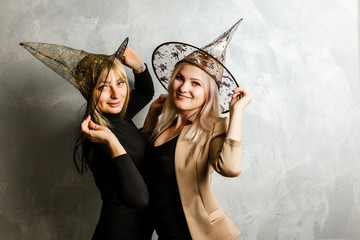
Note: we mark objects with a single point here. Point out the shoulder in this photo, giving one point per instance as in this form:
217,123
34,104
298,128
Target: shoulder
220,125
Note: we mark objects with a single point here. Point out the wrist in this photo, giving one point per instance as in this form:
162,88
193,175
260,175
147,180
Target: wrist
153,115
139,69
235,113
110,140
116,148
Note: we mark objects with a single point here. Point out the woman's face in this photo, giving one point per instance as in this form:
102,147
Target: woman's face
189,89
113,95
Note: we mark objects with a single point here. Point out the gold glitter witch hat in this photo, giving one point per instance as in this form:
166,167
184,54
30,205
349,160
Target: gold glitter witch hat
78,67
210,59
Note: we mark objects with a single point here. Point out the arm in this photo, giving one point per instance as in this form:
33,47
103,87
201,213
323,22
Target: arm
224,152
141,95
237,106
225,146
129,182
124,173
143,92
100,134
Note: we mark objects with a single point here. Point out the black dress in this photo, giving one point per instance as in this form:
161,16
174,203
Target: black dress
167,213
119,180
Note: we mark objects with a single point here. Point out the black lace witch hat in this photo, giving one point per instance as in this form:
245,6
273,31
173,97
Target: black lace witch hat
210,59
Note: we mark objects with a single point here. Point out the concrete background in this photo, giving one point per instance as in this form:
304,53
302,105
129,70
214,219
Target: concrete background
301,134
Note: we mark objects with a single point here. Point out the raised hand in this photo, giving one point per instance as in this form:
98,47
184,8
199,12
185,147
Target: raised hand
236,107
132,60
157,105
236,104
96,133
153,115
100,134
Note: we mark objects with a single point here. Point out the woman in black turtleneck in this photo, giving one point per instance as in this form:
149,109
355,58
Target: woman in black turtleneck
114,148
109,143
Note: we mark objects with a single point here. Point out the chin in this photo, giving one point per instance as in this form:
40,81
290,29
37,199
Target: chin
180,107
113,110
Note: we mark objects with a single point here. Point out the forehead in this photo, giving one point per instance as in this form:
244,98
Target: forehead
191,71
112,76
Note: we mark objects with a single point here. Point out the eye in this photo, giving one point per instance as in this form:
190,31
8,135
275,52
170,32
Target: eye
120,83
102,87
179,77
196,83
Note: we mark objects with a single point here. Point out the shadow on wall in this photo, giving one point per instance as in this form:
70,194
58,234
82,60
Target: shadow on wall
41,194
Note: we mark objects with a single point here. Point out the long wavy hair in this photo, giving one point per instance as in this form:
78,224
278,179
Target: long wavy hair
83,150
203,119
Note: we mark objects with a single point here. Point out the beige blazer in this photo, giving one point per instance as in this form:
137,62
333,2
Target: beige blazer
194,164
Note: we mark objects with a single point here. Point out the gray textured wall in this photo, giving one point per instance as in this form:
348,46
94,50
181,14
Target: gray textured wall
301,136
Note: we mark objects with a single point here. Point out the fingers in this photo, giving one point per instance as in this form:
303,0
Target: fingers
237,104
157,105
132,60
85,124
122,59
92,125
94,132
239,91
88,125
237,95
162,98
129,54
127,49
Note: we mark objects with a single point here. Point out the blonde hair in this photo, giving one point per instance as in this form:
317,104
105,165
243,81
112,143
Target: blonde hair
117,67
82,154
203,119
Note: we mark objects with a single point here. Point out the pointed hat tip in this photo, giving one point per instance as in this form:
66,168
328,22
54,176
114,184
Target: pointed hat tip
24,44
238,22
233,28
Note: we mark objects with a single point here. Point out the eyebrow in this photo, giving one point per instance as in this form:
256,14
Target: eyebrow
193,78
119,79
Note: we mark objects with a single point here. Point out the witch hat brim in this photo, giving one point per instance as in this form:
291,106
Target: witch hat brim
209,58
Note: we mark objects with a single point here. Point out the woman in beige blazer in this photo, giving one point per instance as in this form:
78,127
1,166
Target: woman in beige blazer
190,140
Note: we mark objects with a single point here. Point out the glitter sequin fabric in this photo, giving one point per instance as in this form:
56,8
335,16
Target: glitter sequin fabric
76,66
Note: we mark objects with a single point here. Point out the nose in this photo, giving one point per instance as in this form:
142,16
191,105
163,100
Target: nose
114,92
184,86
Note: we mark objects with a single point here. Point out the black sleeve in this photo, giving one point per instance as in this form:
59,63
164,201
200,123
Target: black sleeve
142,94
129,182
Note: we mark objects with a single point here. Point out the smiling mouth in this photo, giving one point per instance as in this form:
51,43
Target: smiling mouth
182,96
116,104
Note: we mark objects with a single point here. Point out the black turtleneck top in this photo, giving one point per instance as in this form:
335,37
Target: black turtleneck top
119,180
